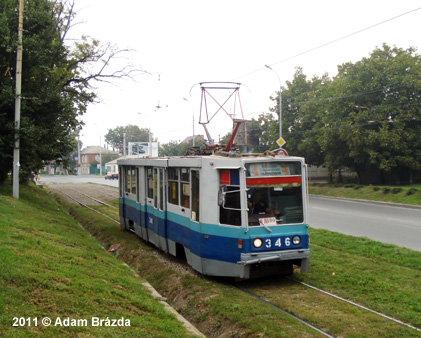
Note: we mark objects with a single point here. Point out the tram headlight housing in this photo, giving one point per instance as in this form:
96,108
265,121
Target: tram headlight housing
257,243
296,240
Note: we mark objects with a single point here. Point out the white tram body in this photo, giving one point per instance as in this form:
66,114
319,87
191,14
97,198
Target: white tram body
229,216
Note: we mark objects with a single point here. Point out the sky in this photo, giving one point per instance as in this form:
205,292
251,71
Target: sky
182,43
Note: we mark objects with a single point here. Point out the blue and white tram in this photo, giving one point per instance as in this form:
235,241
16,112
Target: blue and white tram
229,216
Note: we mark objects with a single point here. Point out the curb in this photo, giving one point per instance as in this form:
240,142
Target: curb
151,290
400,205
189,327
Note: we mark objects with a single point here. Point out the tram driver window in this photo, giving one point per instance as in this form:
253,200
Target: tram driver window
230,205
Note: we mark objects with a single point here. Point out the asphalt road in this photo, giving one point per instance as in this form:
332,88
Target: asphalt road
77,179
384,222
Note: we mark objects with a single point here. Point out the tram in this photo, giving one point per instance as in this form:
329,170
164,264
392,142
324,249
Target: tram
241,216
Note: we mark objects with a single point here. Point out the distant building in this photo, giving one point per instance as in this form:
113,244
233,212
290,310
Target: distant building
92,154
112,166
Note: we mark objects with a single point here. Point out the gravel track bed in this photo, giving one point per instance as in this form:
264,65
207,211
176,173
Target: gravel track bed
93,190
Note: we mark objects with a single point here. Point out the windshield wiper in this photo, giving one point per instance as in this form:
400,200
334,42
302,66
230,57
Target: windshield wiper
266,227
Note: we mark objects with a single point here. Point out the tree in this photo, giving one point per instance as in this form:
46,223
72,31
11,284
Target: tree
266,130
381,113
115,137
171,148
56,82
366,118
302,111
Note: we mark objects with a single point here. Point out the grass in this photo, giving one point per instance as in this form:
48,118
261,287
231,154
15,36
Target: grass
51,267
410,194
380,276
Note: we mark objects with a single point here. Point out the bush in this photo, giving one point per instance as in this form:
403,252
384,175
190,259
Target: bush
411,191
396,190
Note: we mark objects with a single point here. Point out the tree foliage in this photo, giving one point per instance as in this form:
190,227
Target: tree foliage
367,118
56,82
172,148
115,137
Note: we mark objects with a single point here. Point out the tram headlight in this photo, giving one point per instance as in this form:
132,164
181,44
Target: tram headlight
296,240
257,243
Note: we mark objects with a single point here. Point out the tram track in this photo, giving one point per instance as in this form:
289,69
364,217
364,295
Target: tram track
88,207
354,304
94,199
339,298
251,294
276,307
112,193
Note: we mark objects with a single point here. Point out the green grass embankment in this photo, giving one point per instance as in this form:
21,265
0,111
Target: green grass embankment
51,267
410,194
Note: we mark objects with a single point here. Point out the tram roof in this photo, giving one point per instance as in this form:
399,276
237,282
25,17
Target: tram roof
196,161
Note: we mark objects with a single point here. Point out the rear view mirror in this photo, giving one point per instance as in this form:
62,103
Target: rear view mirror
221,195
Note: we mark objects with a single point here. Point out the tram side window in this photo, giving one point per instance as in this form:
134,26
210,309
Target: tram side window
161,189
133,179
173,176
155,187
185,187
149,181
127,175
230,207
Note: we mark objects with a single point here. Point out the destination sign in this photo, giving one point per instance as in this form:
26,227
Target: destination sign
273,169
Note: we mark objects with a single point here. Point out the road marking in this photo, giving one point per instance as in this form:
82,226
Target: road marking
319,208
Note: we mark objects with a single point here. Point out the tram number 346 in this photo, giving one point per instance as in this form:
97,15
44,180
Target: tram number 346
278,243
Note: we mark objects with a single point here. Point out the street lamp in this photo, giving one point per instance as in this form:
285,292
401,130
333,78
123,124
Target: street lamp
280,101
193,119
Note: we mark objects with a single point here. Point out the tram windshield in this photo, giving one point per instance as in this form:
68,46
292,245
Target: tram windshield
274,193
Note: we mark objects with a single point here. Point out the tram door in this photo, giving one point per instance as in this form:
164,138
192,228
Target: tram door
128,191
195,238
156,207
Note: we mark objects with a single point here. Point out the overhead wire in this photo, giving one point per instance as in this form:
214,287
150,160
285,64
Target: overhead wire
330,42
321,46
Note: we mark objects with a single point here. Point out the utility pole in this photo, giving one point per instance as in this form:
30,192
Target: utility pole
279,102
78,155
100,156
193,118
124,145
16,150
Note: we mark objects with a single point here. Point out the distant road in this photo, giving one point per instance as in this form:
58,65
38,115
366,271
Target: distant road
77,179
383,222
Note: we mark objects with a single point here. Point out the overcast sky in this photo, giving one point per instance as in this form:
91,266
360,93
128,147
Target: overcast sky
181,43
